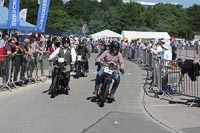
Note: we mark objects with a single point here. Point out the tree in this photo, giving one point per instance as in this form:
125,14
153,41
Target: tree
130,15
194,18
171,18
81,9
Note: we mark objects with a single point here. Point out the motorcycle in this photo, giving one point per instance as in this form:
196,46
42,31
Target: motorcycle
58,82
80,67
106,82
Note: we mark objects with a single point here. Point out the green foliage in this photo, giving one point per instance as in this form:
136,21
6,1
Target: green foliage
194,17
171,18
106,4
130,15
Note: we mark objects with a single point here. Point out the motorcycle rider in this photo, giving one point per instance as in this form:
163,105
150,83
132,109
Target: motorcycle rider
84,51
67,52
112,55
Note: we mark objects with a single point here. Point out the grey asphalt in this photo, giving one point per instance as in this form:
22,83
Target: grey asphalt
30,110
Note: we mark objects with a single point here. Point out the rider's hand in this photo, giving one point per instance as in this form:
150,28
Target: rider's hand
121,70
97,63
72,62
49,59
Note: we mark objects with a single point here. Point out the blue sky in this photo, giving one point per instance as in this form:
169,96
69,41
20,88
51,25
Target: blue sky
185,3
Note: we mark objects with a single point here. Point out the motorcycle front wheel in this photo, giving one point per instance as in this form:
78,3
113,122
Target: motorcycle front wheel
78,69
54,87
103,94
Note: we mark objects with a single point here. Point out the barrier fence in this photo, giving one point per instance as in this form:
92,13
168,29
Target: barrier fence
168,77
22,68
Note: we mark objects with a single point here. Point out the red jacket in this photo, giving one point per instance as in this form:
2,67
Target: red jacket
3,52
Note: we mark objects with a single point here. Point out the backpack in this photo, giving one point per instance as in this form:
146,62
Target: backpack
20,49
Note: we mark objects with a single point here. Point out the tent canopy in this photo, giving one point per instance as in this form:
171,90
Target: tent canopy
24,26
105,33
144,35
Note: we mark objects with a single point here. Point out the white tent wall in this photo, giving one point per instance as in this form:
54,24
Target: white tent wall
105,34
129,35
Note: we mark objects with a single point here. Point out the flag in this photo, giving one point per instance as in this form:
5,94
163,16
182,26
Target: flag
42,15
84,30
13,14
23,14
2,3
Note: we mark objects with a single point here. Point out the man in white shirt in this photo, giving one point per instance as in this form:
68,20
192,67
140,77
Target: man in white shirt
158,49
69,54
167,52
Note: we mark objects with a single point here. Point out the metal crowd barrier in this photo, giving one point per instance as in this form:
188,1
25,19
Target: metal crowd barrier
21,68
166,77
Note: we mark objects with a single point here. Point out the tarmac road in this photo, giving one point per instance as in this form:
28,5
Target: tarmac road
30,110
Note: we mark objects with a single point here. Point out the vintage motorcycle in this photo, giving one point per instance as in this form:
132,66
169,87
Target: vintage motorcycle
80,67
106,82
58,82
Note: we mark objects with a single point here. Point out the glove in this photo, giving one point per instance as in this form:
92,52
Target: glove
97,63
121,70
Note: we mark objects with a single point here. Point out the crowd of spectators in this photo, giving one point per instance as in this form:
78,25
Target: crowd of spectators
22,56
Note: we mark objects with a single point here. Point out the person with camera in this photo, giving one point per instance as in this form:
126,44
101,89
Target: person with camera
69,54
110,56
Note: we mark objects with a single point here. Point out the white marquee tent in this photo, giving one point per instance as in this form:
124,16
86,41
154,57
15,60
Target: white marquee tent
144,35
105,33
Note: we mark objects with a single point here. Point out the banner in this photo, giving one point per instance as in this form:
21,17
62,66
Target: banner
23,14
42,15
84,30
2,3
13,14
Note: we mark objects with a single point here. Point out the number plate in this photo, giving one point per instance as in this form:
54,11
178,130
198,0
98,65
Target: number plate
79,57
107,70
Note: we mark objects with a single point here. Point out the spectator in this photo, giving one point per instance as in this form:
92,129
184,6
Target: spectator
25,60
4,39
7,53
167,52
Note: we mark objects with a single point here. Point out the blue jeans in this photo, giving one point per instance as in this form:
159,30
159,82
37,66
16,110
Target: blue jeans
116,77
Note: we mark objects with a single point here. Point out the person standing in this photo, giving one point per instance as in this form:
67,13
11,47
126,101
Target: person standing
4,39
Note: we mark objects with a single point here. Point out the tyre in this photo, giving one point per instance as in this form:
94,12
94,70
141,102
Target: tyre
103,94
78,70
54,87
83,70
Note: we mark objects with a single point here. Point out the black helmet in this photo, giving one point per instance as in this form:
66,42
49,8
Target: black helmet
114,44
65,40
